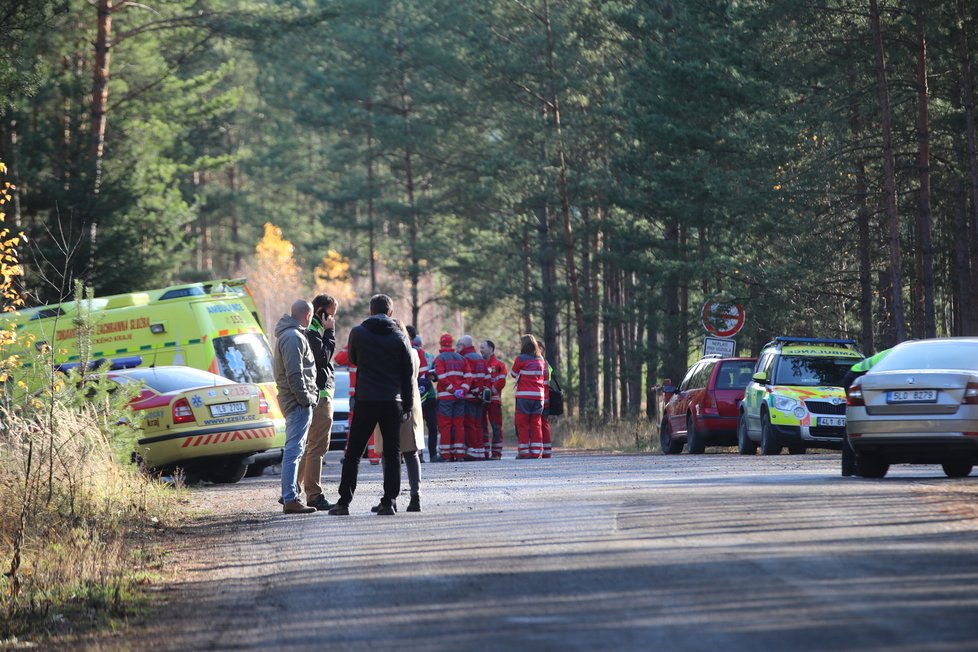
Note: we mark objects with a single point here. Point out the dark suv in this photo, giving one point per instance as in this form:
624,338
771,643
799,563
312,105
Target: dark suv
705,407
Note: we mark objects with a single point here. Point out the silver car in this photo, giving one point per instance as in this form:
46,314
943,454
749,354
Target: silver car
341,410
918,405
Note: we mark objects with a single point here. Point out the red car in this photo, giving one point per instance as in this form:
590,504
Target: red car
704,408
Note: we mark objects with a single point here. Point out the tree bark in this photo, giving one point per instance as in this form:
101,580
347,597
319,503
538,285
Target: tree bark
968,103
889,180
414,267
862,222
554,101
924,217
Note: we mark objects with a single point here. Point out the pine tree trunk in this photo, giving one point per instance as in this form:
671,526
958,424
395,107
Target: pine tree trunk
527,282
607,365
371,227
889,181
674,328
924,217
862,221
968,103
414,267
554,101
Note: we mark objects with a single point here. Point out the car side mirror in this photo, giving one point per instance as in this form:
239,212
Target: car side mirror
667,387
760,377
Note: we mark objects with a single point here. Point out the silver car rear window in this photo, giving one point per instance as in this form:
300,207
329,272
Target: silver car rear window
941,354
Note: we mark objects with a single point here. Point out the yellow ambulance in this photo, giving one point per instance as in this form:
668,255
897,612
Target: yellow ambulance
211,326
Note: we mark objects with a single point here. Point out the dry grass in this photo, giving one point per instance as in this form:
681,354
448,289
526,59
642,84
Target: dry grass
626,436
69,510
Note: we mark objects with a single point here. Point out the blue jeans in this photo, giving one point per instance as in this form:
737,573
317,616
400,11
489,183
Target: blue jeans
296,427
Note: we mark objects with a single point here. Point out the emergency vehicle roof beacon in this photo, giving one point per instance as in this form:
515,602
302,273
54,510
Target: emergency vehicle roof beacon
210,326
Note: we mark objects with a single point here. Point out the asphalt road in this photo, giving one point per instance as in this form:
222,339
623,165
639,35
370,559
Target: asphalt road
588,552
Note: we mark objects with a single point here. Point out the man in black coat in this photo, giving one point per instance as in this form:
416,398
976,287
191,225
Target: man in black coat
322,341
385,380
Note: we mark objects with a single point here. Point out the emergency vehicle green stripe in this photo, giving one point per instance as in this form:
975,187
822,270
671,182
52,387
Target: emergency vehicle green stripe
122,350
169,343
145,347
194,341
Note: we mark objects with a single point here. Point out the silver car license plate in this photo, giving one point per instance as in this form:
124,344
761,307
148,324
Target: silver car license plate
912,396
228,409
829,422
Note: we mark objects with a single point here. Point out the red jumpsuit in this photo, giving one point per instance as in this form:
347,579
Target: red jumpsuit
342,359
493,418
475,382
450,371
548,450
532,375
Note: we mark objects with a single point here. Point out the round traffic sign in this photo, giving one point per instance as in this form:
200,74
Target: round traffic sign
722,317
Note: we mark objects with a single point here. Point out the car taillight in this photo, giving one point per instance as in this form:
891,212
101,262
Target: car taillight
182,412
262,403
854,396
971,394
710,405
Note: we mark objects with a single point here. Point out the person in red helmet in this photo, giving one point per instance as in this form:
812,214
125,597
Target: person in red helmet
493,418
449,378
531,374
475,383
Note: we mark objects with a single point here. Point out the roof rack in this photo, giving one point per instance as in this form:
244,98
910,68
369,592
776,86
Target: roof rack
813,340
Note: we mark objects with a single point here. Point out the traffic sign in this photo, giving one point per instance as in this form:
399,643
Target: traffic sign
722,347
722,317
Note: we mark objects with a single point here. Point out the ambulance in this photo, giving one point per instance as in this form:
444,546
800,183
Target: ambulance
212,326
796,396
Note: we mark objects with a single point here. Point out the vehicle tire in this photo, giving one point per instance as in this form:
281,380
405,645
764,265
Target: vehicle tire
745,445
957,469
668,445
769,441
871,466
227,472
255,470
694,438
797,449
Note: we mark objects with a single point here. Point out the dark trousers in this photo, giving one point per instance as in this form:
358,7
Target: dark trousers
368,415
429,409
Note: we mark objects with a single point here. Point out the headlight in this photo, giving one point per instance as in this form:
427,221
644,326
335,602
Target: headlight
784,403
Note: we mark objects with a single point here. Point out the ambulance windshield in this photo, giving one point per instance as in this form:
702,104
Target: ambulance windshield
244,358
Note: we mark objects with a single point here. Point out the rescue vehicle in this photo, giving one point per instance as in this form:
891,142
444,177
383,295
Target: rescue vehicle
795,397
210,326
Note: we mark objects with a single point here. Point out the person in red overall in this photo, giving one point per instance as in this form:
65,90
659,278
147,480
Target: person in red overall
449,377
530,371
493,415
548,449
342,358
475,382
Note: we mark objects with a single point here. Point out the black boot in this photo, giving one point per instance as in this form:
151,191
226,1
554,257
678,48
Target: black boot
386,508
415,504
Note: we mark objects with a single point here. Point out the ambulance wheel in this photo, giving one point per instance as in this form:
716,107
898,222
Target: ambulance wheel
745,445
769,441
668,445
255,470
694,439
227,472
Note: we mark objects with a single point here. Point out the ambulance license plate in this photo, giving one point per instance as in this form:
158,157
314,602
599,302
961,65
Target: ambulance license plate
837,422
229,409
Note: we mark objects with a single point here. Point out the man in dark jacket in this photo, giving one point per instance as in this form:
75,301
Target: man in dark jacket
385,379
322,341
